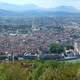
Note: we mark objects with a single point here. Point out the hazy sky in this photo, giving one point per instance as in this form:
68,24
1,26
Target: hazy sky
45,3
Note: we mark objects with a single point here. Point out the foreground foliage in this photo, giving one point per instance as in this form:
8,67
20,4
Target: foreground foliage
39,70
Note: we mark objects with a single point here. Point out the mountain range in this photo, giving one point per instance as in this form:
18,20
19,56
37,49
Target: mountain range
31,9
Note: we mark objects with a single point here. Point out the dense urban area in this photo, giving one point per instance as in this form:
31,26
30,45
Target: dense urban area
39,40
25,36
40,48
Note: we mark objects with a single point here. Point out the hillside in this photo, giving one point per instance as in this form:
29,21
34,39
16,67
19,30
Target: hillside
34,10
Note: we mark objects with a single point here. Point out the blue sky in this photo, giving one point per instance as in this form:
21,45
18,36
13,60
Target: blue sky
45,3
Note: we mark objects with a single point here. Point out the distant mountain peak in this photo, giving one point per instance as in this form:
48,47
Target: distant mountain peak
13,7
66,9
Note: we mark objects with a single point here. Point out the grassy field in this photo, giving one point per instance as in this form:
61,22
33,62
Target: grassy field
39,70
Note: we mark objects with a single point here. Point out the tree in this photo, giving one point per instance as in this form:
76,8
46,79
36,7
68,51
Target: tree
56,48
